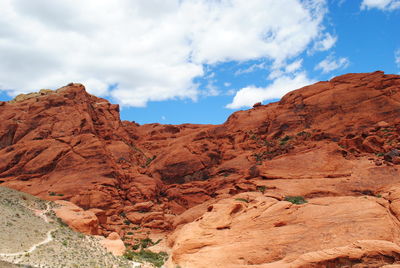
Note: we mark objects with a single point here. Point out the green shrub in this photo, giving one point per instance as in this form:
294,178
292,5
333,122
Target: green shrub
157,259
61,223
303,133
144,243
284,140
242,200
268,143
147,242
298,200
258,157
149,160
55,194
261,188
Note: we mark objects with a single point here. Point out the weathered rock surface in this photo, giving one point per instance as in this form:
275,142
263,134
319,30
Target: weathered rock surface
265,232
335,143
114,244
77,218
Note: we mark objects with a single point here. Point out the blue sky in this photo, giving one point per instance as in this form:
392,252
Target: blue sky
193,61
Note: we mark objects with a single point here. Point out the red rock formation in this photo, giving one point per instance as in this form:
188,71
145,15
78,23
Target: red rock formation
114,244
251,229
330,142
77,218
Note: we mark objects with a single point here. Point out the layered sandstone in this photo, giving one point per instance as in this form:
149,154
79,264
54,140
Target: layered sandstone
335,143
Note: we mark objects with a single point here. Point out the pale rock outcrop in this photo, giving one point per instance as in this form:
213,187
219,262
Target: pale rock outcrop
251,230
114,244
77,218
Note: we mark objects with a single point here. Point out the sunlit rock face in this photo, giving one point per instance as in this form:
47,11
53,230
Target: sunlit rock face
220,190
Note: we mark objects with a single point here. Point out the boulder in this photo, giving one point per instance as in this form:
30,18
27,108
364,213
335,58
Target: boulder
77,218
114,244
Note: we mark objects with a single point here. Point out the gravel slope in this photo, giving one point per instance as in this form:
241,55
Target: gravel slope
30,234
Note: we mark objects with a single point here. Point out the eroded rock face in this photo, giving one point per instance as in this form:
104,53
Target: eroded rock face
77,218
334,143
252,230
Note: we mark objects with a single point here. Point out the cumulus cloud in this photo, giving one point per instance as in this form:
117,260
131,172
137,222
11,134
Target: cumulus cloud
283,79
250,95
380,4
149,50
325,43
294,66
330,64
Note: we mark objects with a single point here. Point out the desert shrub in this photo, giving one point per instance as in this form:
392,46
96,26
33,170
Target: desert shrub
284,140
157,259
303,133
147,242
242,200
258,157
55,194
61,222
298,200
261,188
149,160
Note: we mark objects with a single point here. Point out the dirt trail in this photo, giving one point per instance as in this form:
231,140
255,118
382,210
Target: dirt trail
49,238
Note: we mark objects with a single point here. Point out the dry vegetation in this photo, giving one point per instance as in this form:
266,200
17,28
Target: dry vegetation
21,228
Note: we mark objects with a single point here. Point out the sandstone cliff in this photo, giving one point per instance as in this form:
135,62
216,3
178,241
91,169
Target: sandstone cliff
220,190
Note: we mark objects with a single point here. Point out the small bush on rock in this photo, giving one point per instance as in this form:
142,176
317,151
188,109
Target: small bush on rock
298,200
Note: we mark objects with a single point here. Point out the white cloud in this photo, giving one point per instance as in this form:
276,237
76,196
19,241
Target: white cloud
248,96
251,68
294,66
151,49
325,43
397,57
330,64
380,4
230,92
211,89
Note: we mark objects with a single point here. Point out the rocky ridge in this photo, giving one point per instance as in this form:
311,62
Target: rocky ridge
224,191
